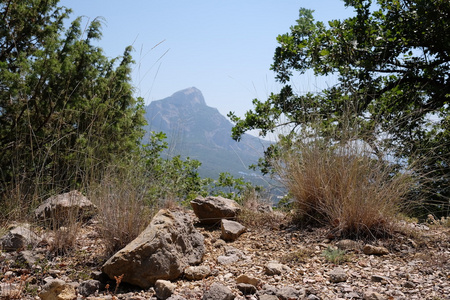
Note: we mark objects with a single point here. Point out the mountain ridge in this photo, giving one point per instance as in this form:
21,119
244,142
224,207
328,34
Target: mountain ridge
200,132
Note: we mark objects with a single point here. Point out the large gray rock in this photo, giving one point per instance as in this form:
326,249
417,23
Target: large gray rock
162,251
211,210
18,238
61,209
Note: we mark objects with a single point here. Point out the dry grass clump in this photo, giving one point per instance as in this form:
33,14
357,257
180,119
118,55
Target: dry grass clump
124,209
443,221
343,186
299,256
257,213
62,240
255,219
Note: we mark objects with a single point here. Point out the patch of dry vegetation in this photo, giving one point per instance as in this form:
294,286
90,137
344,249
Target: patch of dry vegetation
297,257
124,208
257,213
343,185
255,219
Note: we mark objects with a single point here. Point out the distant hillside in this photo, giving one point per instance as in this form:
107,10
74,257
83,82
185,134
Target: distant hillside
200,132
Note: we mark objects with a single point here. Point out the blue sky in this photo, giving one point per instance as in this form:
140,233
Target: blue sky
222,47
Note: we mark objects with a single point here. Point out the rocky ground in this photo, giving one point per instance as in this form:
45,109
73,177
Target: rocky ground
265,262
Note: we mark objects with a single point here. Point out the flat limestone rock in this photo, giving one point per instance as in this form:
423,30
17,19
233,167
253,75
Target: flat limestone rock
58,210
211,210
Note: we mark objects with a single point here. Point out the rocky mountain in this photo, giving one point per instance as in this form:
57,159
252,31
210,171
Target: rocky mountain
200,132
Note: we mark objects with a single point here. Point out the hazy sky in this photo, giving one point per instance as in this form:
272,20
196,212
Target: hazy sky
222,47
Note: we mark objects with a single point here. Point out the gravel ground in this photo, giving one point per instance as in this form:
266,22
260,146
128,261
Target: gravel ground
417,266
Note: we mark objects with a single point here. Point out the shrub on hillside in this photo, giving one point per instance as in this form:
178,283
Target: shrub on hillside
342,185
124,207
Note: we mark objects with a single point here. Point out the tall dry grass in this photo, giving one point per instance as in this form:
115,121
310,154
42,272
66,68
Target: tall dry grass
124,207
343,185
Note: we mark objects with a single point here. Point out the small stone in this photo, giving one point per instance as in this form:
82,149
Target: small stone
89,287
352,295
275,268
409,285
164,289
227,259
231,230
58,209
175,297
219,243
228,276
197,272
371,295
57,289
100,276
246,288
268,297
287,293
379,278
265,208
374,250
30,258
162,251
248,279
338,275
267,290
9,290
218,292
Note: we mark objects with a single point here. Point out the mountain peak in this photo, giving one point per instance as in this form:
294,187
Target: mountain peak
192,96
200,132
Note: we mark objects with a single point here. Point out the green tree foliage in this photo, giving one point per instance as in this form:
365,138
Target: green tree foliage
178,180
174,179
66,110
234,188
392,62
